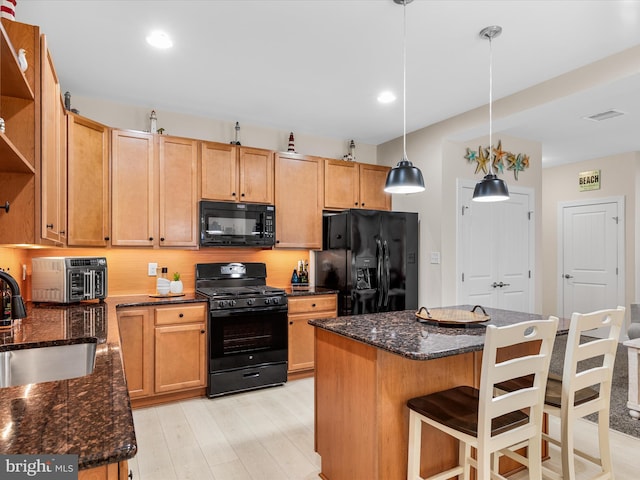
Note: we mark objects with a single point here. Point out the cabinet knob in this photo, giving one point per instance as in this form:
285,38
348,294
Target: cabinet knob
162,239
233,194
151,239
242,194
313,305
202,331
106,239
62,232
6,206
290,323
49,225
277,241
181,315
362,204
356,204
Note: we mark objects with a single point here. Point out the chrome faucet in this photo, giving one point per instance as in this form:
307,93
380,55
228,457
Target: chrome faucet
18,310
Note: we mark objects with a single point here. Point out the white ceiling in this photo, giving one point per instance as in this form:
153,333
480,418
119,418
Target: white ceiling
316,66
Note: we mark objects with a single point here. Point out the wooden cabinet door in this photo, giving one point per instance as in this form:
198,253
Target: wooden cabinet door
133,219
180,357
218,165
256,175
87,182
372,181
341,184
51,165
111,471
178,162
301,335
299,201
136,340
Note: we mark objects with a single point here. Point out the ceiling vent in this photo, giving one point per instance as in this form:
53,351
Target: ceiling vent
598,117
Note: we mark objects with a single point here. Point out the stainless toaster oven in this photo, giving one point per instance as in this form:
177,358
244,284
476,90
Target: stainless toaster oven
68,279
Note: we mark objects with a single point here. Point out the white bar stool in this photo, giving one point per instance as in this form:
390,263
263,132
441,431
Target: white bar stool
484,418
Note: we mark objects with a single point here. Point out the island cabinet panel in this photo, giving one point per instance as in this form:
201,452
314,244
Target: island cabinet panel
301,334
87,183
299,201
355,185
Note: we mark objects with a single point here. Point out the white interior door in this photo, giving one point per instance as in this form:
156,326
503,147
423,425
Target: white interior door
495,254
591,255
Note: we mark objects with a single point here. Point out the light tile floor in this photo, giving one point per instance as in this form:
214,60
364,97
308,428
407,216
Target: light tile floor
268,435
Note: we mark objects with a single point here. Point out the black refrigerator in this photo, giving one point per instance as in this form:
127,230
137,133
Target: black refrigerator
371,258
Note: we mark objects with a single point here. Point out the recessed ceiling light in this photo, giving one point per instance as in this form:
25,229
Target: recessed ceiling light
386,97
159,39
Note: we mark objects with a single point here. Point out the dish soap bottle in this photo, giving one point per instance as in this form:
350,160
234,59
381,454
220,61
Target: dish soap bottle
294,277
163,284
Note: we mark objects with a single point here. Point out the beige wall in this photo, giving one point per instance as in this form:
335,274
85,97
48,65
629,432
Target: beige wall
133,117
619,177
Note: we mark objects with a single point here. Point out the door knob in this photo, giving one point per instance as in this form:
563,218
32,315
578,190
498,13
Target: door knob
566,275
494,285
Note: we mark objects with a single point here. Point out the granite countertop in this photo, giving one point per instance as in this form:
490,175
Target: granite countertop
401,333
88,416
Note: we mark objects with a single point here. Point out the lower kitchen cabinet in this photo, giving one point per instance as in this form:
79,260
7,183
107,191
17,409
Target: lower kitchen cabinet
164,351
111,471
301,334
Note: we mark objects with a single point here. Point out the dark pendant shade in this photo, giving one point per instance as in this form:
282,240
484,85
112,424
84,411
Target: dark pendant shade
404,178
490,189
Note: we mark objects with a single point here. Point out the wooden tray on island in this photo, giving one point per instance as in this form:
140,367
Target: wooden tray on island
452,316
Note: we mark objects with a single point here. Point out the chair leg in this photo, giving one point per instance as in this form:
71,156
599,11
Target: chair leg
484,464
464,453
603,440
534,456
567,449
415,440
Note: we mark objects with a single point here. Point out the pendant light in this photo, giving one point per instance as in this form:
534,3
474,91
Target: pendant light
491,188
404,177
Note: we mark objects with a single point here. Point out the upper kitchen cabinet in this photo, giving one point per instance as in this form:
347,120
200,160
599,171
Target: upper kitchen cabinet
178,180
20,140
87,182
236,174
299,200
154,190
53,162
355,185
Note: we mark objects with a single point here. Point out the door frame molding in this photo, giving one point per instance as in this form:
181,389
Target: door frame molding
619,201
531,193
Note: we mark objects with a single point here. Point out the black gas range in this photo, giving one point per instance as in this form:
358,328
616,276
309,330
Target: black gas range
247,327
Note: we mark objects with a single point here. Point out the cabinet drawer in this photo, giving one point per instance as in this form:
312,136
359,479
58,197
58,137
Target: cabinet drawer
313,303
180,314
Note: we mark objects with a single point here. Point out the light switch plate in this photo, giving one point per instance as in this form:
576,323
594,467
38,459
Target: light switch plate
153,269
435,257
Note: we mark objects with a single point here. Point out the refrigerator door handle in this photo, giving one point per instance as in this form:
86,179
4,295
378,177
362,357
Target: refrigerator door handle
379,275
387,272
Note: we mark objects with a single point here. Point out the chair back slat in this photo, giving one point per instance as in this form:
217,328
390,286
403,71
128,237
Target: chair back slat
540,333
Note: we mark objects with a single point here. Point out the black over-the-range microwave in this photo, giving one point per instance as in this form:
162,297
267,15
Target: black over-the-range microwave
226,224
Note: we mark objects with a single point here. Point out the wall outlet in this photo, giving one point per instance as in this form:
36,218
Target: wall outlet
153,269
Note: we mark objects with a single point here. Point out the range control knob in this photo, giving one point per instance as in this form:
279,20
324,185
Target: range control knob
250,301
232,303
275,300
222,303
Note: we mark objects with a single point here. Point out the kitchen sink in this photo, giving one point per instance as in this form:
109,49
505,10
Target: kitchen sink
22,366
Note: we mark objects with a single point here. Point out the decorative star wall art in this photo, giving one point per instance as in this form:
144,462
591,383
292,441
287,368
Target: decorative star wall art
515,162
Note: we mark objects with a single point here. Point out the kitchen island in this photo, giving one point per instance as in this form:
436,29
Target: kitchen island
368,366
